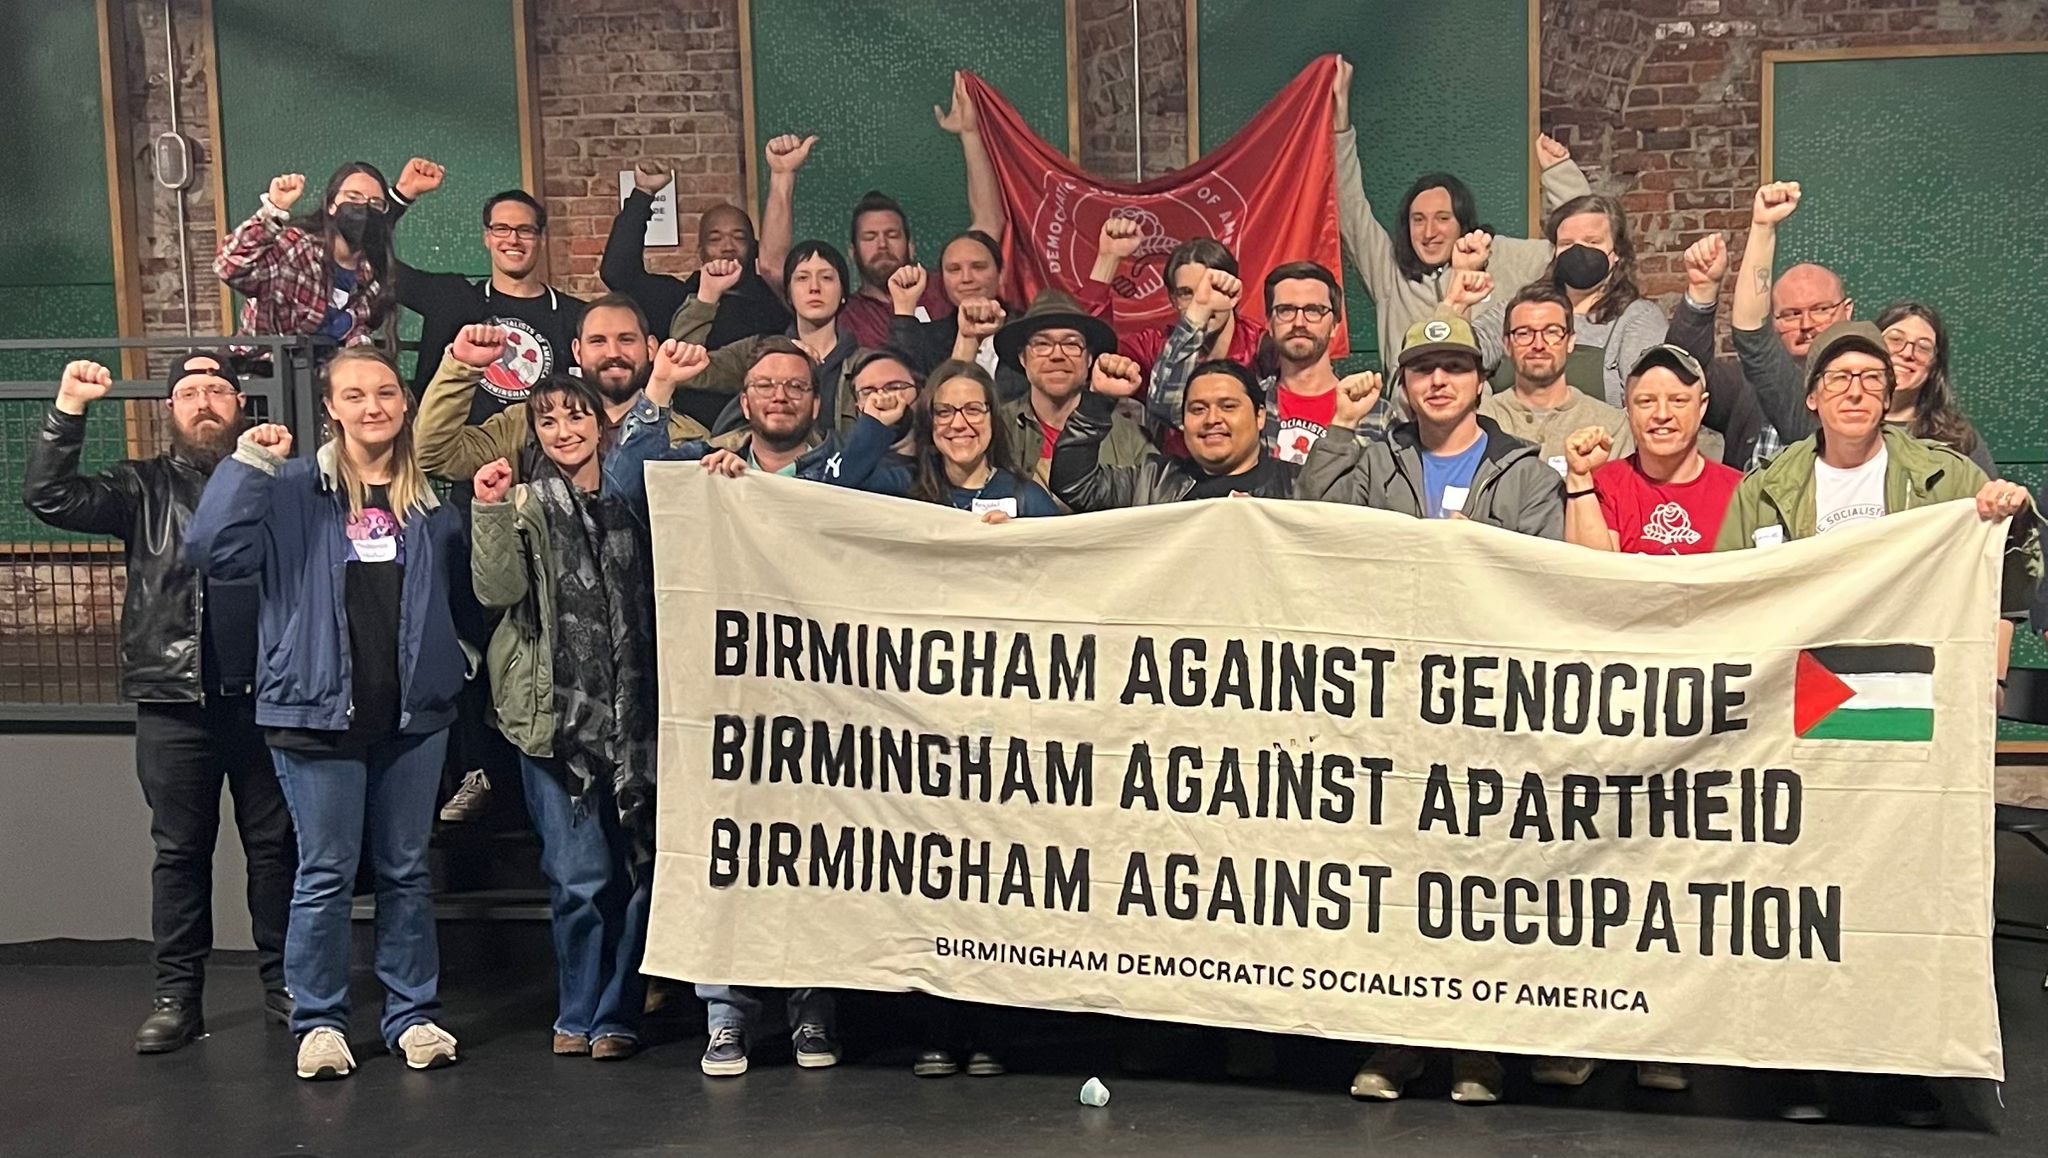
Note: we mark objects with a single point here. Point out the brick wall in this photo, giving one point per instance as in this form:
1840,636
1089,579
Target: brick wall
622,79
149,75
1108,142
1661,100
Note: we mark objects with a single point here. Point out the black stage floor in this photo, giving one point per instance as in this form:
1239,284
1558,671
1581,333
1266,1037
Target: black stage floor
70,1086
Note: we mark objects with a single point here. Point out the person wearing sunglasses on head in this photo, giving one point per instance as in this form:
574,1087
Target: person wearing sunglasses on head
539,320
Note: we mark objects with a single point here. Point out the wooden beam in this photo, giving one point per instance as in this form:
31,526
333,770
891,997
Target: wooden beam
1191,20
1073,32
216,164
524,67
115,119
1535,116
750,128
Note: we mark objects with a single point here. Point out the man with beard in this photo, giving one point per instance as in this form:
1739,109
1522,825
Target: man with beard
539,320
724,233
881,246
1542,407
1055,341
611,349
188,651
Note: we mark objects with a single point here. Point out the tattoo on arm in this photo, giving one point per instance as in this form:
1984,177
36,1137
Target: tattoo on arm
1763,281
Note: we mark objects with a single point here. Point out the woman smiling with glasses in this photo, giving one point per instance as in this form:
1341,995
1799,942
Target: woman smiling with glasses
951,453
1924,396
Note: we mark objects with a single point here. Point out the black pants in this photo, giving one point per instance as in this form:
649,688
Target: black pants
182,754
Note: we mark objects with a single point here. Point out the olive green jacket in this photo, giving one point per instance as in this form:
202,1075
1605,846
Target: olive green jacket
509,563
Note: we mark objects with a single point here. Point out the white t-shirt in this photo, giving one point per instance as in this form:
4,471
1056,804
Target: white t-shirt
1845,497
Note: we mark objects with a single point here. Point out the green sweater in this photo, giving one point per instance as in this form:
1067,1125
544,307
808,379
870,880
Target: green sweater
1917,474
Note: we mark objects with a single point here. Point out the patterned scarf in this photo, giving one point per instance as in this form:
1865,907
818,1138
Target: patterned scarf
604,652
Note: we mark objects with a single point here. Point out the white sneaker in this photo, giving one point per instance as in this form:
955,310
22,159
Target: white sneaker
324,1055
470,800
427,1046
1562,1071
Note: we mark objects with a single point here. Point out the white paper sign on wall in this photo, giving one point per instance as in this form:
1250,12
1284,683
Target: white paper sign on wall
661,228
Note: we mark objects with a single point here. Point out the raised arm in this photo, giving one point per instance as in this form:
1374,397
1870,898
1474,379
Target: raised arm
498,559
785,154
249,258
1336,470
1078,477
227,534
1366,241
449,447
53,489
863,462
1585,509
624,265
984,196
1561,177
1779,383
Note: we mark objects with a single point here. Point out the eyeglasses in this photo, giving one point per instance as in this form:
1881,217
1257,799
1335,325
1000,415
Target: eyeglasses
972,411
867,392
793,387
1310,313
351,197
522,232
195,393
1834,382
1527,335
1044,347
1897,343
1811,315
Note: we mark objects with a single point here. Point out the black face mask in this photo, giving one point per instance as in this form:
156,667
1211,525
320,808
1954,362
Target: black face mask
1581,267
357,223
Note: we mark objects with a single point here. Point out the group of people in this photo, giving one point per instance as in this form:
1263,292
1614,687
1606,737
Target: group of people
305,626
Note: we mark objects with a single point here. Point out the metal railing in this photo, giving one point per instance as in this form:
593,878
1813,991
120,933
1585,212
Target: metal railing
61,593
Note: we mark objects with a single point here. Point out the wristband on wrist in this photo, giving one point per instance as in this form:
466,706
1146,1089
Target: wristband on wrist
1572,494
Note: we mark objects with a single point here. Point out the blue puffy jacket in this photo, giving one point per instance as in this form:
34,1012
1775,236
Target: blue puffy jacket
285,524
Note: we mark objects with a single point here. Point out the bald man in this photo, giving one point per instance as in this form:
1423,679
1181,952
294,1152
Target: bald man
723,232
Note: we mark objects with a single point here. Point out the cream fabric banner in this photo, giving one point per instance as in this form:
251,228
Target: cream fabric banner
1317,769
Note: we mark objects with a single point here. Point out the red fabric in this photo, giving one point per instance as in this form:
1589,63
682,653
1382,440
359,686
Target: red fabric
868,320
1269,195
1304,418
1816,692
1144,346
1653,518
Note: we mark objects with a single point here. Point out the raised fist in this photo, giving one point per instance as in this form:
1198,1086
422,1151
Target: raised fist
1774,203
906,288
1117,376
1119,237
980,318
886,406
1340,87
1549,152
788,152
651,177
1706,263
1586,451
286,189
716,278
725,464
1216,293
83,383
1357,394
959,119
478,345
1472,251
493,481
271,438
419,177
1467,288
674,363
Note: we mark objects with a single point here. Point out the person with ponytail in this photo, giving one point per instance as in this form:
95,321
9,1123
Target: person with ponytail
359,671
329,271
572,679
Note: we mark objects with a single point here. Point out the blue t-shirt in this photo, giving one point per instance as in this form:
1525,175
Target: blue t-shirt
338,321
1453,472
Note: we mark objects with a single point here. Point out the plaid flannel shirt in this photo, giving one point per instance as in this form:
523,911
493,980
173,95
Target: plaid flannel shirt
282,272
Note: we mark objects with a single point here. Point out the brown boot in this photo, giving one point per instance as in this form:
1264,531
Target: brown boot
571,1045
614,1047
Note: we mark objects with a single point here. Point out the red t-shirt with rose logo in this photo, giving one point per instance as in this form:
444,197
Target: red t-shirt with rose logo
1653,518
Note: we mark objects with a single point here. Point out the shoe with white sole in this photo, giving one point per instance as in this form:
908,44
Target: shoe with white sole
1387,1072
1562,1071
426,1046
814,1046
726,1054
324,1055
470,801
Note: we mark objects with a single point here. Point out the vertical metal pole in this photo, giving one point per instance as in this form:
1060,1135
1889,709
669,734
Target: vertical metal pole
184,248
1137,99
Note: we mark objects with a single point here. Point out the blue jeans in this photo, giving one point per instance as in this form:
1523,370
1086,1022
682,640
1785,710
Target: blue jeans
384,800
739,1007
598,904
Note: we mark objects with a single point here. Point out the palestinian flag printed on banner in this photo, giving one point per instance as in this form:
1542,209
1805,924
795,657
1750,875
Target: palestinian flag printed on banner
1856,692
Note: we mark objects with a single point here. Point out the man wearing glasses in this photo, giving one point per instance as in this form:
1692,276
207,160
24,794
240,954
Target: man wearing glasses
1055,342
188,662
539,320
1541,407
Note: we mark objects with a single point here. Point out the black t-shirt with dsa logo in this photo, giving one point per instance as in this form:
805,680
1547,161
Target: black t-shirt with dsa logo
540,331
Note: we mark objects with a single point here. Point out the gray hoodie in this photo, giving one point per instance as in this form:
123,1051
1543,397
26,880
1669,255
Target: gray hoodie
1513,489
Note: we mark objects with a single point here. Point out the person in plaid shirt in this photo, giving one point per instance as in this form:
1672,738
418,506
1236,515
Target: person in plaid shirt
325,273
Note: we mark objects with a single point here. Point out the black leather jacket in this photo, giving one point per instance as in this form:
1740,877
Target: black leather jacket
146,503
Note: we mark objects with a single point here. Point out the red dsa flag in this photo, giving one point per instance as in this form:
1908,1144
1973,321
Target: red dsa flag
1269,195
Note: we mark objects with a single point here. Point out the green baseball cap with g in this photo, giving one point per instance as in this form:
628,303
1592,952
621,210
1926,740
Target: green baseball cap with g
1436,335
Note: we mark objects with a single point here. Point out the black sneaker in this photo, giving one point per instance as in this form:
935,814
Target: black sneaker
726,1055
815,1048
1914,1103
277,1006
934,1063
982,1064
173,1023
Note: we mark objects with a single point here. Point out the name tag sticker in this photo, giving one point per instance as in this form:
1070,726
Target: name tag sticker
375,550
1557,464
1454,499
984,506
1771,536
